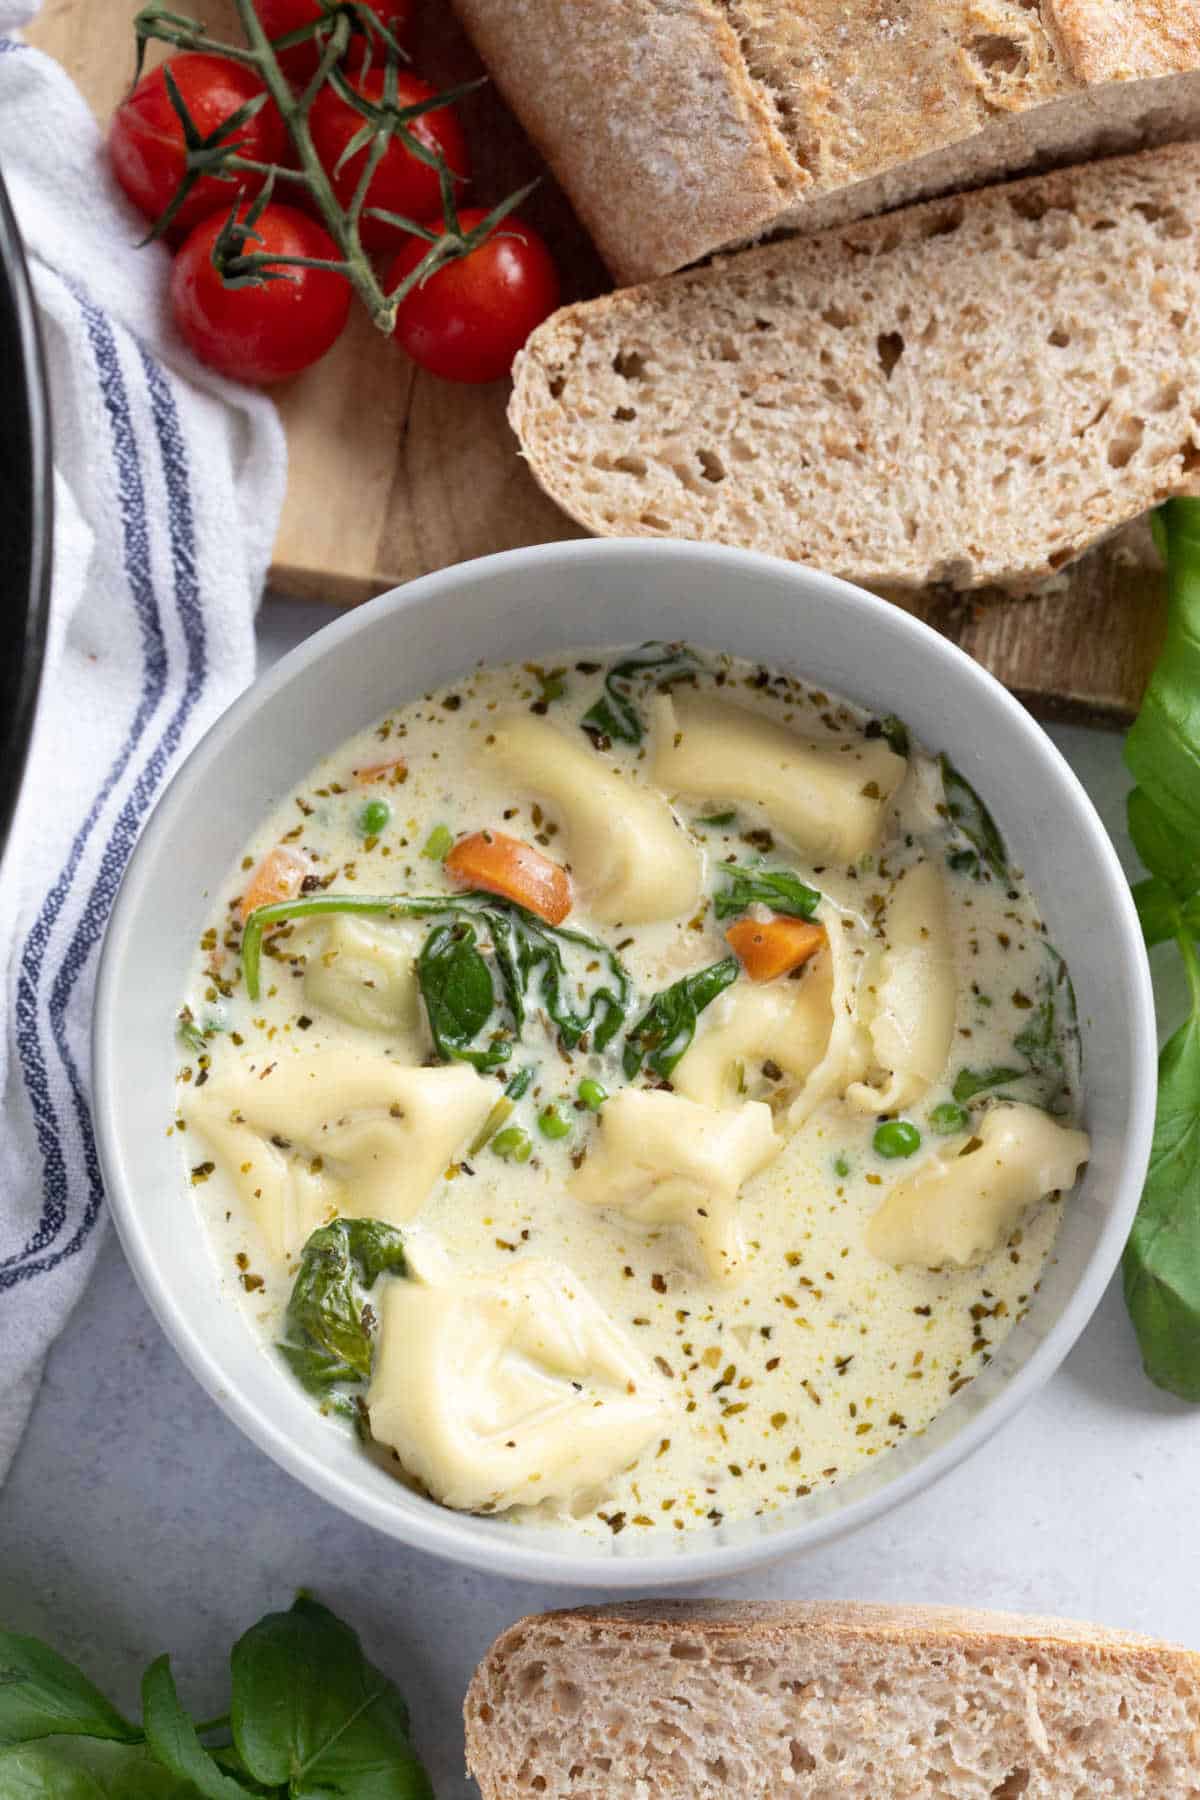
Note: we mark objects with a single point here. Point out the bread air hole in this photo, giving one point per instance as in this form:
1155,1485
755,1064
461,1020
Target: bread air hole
1014,1783
711,466
803,1761
630,364
996,55
889,347
1125,442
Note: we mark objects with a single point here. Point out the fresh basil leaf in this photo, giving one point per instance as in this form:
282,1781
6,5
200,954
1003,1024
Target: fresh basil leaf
1162,1259
460,999
967,811
85,1769
311,1711
172,1738
325,1315
43,1695
1159,912
1165,852
779,889
615,715
969,1083
1162,749
668,1025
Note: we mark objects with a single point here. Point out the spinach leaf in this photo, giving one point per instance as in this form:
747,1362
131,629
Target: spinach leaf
43,1695
1162,1259
456,985
967,811
1161,1267
172,1737
614,715
531,958
668,1025
311,1712
325,1315
894,732
969,1083
779,889
83,1769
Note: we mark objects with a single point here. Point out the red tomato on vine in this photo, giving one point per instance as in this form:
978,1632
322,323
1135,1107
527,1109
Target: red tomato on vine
402,183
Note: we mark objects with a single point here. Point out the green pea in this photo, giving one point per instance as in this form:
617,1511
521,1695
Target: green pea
948,1118
374,817
896,1137
438,844
551,1123
718,819
513,1144
592,1094
841,1165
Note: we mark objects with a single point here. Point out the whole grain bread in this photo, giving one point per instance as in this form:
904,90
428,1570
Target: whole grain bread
816,1701
681,126
972,390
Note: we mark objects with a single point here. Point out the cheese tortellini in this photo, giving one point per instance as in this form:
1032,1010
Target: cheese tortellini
628,851
963,1204
511,1388
828,797
364,974
332,1131
661,1159
911,1023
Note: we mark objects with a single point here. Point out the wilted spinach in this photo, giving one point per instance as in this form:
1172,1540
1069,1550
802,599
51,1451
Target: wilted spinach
328,1337
966,810
614,715
779,889
668,1025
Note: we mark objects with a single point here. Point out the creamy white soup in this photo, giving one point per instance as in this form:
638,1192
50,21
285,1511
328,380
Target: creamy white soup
635,1091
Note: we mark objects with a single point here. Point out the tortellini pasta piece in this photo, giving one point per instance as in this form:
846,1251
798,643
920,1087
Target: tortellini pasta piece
364,975
963,1204
509,1389
335,1130
627,850
783,1022
828,797
835,980
661,1159
911,1025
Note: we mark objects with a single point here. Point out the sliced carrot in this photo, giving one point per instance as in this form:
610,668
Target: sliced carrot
277,877
511,867
393,772
772,947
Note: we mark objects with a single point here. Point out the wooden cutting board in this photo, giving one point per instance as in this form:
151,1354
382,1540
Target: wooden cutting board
392,473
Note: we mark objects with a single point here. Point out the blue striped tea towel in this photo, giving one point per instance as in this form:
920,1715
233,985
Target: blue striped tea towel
167,490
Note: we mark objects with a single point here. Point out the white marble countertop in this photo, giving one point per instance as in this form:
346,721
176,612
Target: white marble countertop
137,1519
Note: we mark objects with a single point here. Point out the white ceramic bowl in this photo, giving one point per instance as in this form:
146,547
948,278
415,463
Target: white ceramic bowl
530,603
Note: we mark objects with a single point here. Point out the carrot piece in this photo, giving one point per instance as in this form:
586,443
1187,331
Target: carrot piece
511,867
277,877
393,772
772,947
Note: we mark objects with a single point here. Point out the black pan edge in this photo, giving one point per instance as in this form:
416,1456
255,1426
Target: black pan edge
26,512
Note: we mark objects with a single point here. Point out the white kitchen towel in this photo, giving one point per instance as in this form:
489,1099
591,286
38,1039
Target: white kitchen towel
167,487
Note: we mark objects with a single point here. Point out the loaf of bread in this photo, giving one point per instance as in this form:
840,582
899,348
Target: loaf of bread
972,391
680,126
699,1699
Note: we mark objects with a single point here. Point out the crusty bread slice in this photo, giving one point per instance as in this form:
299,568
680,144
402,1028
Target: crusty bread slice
816,1701
681,126
971,391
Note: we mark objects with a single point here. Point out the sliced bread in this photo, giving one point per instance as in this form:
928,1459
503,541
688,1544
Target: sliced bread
816,1701
680,126
970,391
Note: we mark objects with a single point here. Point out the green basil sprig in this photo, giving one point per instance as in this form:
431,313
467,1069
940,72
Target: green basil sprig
531,960
614,715
328,1338
1162,1260
310,1717
668,1025
779,889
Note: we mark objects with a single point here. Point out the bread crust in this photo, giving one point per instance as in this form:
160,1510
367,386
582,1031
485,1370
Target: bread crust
678,127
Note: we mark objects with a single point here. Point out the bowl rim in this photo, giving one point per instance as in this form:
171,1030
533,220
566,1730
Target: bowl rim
438,1530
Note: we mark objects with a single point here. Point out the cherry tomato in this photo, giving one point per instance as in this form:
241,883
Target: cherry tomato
401,183
268,332
278,17
146,144
467,321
